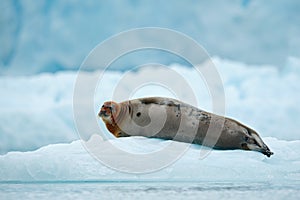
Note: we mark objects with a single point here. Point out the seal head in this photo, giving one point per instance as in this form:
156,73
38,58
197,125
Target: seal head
110,113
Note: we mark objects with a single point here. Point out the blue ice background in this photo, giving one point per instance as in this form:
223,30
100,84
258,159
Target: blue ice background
49,36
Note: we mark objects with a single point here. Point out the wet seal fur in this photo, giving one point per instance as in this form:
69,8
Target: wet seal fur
120,118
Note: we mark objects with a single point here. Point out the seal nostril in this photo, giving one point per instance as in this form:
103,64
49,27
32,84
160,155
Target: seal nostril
138,114
102,113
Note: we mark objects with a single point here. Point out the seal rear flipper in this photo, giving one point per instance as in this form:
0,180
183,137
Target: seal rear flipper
252,141
253,147
266,151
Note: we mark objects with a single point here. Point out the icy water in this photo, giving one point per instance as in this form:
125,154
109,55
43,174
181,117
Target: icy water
148,190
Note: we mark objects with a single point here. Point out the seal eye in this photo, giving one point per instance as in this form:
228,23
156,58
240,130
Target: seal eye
138,114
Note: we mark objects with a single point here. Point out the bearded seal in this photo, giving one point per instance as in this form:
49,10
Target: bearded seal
181,122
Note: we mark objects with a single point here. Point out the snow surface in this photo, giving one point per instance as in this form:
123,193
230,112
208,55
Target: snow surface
37,110
49,36
71,162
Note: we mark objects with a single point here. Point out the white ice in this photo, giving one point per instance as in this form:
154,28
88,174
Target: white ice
71,162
